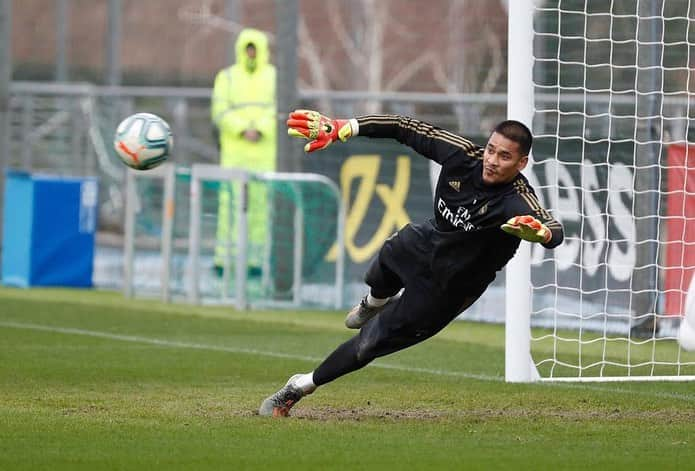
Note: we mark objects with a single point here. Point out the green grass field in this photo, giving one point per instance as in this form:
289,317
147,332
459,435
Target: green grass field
89,380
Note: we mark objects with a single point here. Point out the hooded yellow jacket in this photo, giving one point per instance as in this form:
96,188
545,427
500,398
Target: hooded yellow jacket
243,98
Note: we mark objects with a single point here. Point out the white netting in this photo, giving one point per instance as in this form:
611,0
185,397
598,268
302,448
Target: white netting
612,122
296,262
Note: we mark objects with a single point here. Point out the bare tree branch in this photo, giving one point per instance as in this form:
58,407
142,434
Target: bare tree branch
374,43
441,79
310,54
353,53
407,72
203,15
497,68
455,68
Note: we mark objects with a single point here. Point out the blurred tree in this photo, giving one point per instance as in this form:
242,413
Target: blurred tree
390,45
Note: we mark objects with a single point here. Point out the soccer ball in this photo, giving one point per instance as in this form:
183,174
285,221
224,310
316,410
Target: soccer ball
143,141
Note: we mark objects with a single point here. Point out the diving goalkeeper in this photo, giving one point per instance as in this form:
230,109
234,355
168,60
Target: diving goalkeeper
426,274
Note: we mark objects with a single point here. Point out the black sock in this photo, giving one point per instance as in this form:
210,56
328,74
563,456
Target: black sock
342,361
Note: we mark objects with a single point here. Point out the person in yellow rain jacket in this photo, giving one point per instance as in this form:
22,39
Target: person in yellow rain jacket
243,112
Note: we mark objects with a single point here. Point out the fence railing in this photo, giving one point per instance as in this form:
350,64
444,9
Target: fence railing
199,174
68,128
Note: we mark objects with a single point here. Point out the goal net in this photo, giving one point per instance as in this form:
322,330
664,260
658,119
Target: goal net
610,106
292,258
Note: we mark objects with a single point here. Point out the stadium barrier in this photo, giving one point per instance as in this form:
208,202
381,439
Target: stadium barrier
49,224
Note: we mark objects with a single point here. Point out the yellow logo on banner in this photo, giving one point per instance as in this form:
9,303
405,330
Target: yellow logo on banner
366,169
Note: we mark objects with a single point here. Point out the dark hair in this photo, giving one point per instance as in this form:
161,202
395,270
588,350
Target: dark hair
517,132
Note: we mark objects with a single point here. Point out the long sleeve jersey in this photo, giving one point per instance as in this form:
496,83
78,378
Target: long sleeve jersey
465,238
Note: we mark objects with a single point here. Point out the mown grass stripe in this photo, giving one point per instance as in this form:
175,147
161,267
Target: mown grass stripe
221,348
292,356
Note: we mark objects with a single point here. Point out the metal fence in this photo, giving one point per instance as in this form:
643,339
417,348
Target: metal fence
67,129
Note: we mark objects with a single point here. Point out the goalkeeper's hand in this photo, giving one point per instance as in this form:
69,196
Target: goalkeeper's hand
319,129
528,228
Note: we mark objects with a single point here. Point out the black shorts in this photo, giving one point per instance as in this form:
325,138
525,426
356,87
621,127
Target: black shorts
426,305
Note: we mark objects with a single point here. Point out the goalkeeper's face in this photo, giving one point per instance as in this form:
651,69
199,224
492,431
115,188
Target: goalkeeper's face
502,160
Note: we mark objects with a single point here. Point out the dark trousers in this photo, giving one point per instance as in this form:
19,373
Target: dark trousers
424,308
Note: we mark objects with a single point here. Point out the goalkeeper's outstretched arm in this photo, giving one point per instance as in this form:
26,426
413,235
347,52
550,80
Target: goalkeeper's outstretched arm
432,142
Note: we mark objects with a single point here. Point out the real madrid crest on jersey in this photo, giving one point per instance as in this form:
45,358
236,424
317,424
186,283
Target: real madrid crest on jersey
455,184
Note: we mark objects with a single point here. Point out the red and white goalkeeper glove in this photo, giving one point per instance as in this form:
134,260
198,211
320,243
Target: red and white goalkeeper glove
321,130
528,228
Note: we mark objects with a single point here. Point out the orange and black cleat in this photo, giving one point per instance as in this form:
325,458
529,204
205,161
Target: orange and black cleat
280,403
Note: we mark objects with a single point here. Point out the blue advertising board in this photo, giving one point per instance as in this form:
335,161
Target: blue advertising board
49,225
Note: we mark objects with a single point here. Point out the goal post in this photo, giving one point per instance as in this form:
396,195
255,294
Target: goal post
606,88
519,366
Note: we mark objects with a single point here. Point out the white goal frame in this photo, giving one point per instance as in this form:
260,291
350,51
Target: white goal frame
519,364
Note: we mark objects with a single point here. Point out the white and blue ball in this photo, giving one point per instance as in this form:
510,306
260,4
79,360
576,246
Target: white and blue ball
143,141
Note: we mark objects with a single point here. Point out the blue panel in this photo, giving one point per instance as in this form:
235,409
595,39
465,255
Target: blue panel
63,238
49,227
17,229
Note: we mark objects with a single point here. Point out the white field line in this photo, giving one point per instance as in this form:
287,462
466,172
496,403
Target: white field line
220,348
292,356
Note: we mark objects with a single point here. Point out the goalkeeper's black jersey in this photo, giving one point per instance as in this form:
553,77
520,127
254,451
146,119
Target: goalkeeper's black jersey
465,238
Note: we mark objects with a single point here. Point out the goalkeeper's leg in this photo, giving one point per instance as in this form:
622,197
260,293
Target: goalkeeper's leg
382,277
384,286
414,317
